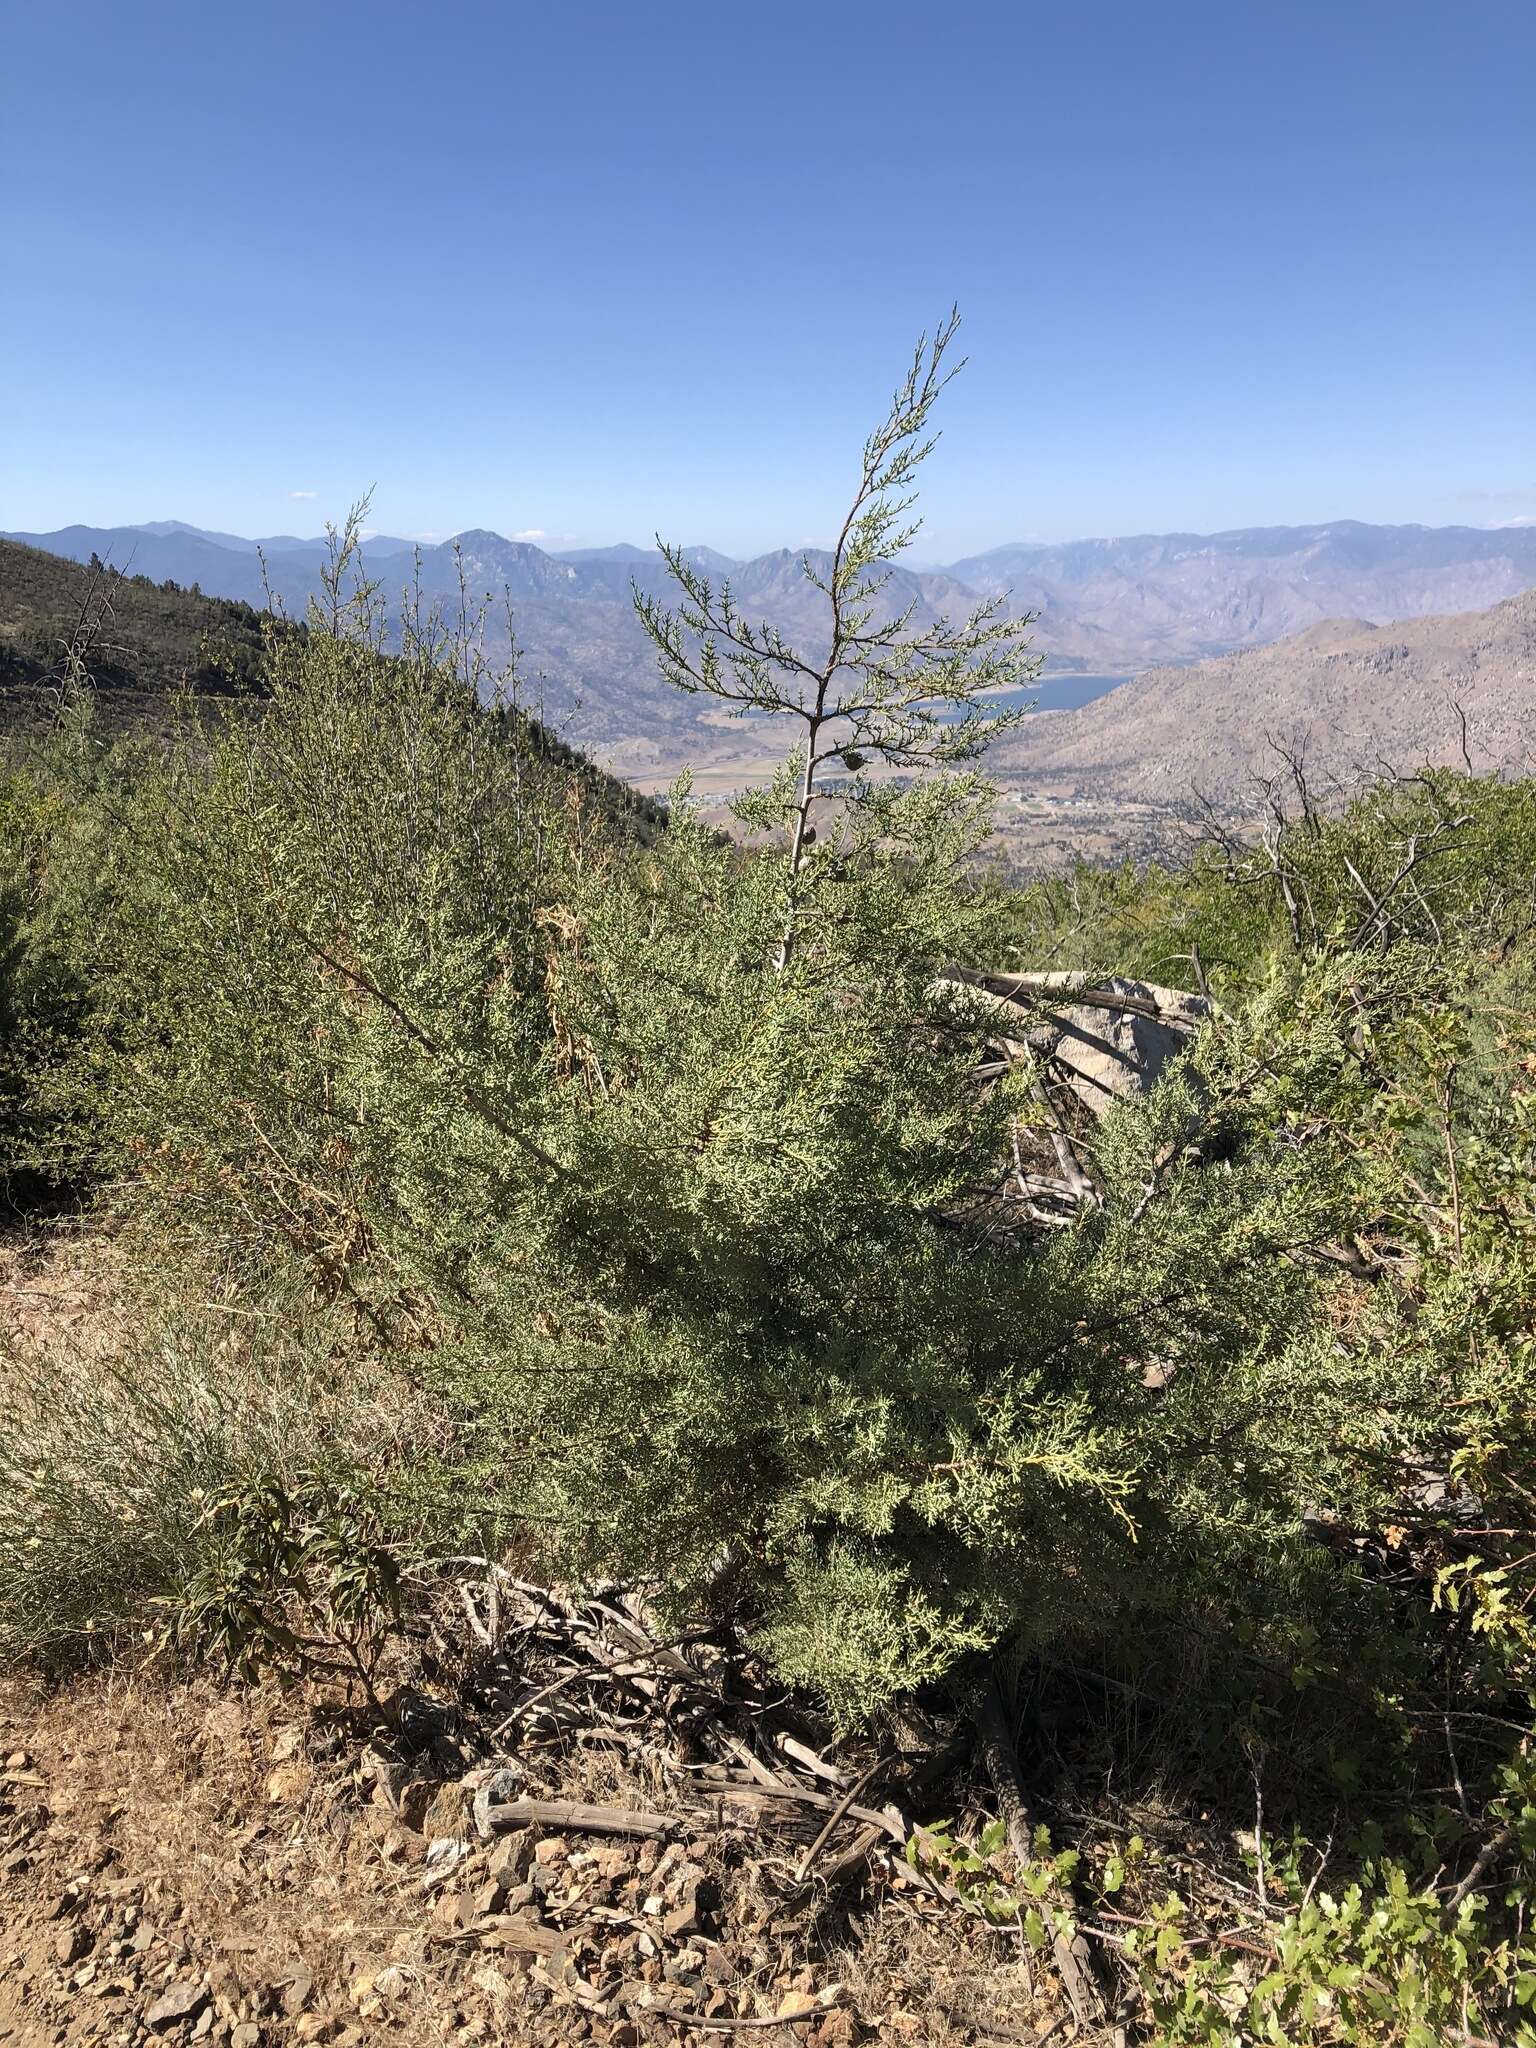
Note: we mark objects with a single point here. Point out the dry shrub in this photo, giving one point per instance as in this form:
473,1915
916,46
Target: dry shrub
118,1430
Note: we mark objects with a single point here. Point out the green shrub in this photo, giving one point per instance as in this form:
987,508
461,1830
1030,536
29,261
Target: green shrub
55,862
1377,1964
658,1159
299,1573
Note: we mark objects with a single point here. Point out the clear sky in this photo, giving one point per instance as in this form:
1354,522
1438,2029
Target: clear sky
590,270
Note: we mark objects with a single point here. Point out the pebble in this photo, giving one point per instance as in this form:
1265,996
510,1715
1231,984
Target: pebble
296,1990
70,1945
178,2003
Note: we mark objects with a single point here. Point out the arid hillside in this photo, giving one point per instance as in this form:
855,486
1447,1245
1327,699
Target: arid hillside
1353,698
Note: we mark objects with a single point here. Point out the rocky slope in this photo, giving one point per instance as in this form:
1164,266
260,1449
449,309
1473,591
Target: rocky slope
1353,696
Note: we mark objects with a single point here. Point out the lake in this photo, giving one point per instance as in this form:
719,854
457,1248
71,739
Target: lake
1063,693
1055,693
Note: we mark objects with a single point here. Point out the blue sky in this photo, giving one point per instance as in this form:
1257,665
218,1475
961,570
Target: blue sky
590,270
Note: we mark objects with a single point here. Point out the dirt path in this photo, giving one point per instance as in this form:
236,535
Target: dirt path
183,1867
172,1867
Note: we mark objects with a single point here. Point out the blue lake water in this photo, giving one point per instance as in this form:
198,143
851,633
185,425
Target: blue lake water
1063,693
1057,693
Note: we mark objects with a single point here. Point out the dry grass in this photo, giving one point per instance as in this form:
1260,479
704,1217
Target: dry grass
125,1410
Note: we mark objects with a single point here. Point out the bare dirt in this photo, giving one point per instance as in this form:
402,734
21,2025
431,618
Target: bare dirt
179,1864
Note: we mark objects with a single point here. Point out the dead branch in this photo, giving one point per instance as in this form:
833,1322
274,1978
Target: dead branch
1072,1957
571,1815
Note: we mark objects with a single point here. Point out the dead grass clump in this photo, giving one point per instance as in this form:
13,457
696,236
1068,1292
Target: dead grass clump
123,1414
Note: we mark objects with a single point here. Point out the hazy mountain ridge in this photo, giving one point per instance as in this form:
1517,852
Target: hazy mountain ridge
153,642
1182,596
1352,696
1105,606
585,658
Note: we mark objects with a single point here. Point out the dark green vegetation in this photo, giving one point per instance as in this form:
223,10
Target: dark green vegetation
144,640
491,1177
143,645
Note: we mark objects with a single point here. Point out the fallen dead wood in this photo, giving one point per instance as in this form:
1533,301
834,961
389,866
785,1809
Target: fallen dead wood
1082,1043
699,1714
572,1817
843,1808
818,1767
514,1932
1105,1038
721,1785
857,1853
1071,1954
1177,1008
727,2023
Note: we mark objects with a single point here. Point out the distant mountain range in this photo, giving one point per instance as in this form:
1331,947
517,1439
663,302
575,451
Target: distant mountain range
1181,596
1351,697
1105,606
159,641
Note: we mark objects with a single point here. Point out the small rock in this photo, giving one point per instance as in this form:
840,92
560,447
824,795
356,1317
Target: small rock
222,1724
70,1945
684,1918
180,2002
204,2024
410,1798
490,1790
288,1783
396,1844
511,1857
837,2030
453,1912
246,2035
365,1997
794,2005
295,1991
450,1811
443,1857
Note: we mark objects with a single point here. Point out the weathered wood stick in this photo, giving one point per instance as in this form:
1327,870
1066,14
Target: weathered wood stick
1073,1958
571,1815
